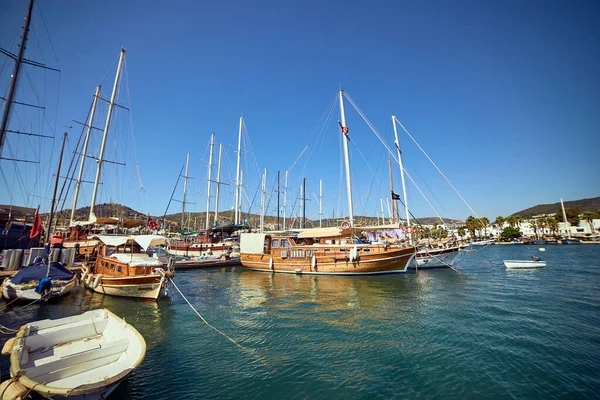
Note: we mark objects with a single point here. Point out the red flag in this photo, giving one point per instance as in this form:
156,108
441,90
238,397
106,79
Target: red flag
36,229
151,224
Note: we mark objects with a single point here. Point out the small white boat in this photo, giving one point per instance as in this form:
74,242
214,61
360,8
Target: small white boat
81,357
39,282
535,262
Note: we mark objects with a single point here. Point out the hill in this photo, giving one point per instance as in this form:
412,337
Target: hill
591,204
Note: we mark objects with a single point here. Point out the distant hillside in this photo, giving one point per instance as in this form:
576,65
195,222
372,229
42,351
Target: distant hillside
100,210
592,204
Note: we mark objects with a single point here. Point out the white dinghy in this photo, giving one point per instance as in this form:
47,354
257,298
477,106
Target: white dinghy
80,357
535,262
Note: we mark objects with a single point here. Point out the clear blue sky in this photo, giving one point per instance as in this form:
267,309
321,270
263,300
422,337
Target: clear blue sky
504,96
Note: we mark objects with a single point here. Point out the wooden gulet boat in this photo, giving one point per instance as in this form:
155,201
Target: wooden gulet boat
123,268
331,251
79,357
326,251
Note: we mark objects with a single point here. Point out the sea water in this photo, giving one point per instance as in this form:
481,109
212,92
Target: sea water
477,332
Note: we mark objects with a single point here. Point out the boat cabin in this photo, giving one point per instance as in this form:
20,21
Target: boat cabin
121,256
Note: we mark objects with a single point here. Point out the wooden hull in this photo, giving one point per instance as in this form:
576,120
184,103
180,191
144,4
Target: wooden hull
141,286
386,262
27,292
198,264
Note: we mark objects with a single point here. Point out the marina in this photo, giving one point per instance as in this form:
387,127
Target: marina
482,331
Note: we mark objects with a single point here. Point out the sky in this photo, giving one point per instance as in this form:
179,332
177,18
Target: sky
503,96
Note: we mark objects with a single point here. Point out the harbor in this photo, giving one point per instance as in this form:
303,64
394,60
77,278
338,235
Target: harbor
483,331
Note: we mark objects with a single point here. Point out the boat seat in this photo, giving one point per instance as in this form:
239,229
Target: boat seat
75,358
65,333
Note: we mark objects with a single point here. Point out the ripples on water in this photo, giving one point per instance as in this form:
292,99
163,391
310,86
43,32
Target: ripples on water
481,333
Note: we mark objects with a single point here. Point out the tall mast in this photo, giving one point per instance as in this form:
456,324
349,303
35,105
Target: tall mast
262,201
278,196
218,183
382,214
111,105
212,145
285,201
62,150
392,189
238,172
240,199
15,77
84,152
303,202
320,203
567,228
397,143
185,178
346,139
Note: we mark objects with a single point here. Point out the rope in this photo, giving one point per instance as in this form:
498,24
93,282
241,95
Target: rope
206,322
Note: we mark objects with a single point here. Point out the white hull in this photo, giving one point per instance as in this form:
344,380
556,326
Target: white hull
84,356
435,259
27,292
524,264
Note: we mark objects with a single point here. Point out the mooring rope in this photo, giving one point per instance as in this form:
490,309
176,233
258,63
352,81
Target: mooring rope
206,322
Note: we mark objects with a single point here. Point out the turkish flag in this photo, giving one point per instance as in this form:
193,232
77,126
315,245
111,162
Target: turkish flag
36,229
151,224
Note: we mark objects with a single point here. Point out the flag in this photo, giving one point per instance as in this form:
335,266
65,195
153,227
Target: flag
151,224
36,229
395,196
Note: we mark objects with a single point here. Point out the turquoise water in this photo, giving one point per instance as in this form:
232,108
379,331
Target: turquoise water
482,332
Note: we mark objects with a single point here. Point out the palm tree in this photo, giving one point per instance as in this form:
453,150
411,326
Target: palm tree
535,224
589,218
553,225
484,222
499,221
512,221
461,232
518,220
471,225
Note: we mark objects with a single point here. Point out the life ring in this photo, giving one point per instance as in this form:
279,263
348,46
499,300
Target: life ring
345,130
345,225
97,280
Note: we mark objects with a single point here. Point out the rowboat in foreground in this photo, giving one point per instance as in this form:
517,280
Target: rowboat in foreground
83,357
535,262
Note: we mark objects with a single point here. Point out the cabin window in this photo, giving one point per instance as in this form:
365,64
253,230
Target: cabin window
366,250
342,249
275,243
119,268
112,267
285,243
327,250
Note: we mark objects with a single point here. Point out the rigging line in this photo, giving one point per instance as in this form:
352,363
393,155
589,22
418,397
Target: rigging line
364,117
298,158
48,34
425,197
426,185
131,124
12,199
439,170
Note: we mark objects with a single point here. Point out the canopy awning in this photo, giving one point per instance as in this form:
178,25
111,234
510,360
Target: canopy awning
320,232
144,241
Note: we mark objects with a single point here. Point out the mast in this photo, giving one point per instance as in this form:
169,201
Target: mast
218,183
240,203
84,152
382,214
238,172
567,228
278,196
303,202
185,178
397,143
111,105
285,201
262,201
212,145
62,150
15,76
346,139
320,203
392,189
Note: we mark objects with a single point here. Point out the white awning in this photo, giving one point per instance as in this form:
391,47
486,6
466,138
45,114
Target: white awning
320,232
149,240
144,241
252,243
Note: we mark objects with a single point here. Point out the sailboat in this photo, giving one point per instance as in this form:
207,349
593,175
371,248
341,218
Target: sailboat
568,240
324,251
